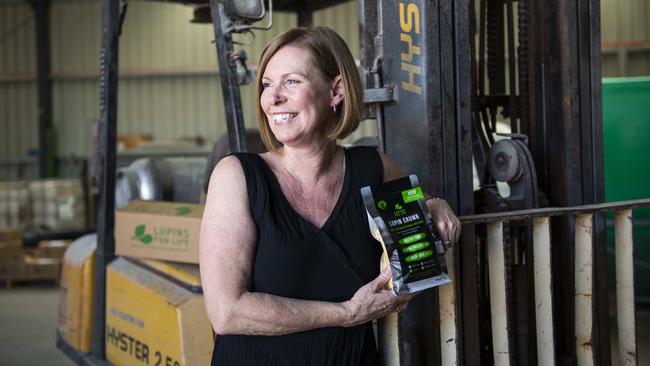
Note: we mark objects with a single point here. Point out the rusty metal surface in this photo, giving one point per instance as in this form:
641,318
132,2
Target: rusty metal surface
627,346
584,290
501,324
229,85
566,140
428,132
543,282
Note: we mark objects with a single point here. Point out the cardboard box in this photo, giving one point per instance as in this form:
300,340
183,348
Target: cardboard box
18,263
159,230
10,235
12,254
50,249
12,263
133,141
40,270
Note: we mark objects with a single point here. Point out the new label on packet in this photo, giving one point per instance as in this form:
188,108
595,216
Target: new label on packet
400,220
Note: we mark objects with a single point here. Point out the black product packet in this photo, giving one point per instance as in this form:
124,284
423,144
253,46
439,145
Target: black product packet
399,218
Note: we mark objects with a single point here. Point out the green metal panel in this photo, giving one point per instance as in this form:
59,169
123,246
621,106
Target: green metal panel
626,124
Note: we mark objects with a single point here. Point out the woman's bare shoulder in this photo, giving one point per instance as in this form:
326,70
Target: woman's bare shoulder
227,176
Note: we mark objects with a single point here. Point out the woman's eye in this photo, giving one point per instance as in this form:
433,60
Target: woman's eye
266,85
293,82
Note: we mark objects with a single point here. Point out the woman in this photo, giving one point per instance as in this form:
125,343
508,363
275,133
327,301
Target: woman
290,272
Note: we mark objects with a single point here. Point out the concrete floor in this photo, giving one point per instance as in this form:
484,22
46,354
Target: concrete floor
28,317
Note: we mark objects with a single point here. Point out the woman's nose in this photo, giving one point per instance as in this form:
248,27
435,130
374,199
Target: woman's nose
277,97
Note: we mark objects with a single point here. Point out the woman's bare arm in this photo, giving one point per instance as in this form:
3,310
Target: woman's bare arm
227,247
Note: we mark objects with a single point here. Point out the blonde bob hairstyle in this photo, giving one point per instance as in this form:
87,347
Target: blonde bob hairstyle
329,54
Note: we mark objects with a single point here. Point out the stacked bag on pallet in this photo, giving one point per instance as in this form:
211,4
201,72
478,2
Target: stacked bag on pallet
57,204
15,208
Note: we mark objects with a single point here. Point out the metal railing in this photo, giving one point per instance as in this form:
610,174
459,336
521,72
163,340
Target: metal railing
543,282
544,312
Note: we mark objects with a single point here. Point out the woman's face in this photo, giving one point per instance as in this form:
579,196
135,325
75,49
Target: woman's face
296,98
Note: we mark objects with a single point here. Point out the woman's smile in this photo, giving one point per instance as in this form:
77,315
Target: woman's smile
280,118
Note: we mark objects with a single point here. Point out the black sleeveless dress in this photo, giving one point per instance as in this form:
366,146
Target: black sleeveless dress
295,259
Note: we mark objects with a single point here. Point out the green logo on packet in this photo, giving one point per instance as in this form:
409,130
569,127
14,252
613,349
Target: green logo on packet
412,194
181,211
382,204
141,236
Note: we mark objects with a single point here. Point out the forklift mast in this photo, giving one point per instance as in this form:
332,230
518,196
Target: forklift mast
439,77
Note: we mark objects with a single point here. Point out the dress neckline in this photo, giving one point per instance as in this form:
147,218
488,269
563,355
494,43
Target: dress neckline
337,207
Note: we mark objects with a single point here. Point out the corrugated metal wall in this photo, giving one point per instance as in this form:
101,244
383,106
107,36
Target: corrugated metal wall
169,85
18,108
625,29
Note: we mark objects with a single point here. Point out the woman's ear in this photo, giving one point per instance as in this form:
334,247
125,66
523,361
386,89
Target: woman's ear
338,90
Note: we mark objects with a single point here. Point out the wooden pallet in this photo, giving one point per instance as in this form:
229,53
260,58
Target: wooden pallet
8,283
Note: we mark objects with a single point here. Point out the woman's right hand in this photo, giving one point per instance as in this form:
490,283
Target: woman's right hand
373,301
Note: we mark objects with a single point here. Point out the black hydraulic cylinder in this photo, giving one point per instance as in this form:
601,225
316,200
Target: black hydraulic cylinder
107,162
47,154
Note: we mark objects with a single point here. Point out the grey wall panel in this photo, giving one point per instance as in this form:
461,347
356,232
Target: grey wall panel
169,83
75,107
160,36
17,93
625,33
17,50
18,119
171,107
344,19
75,37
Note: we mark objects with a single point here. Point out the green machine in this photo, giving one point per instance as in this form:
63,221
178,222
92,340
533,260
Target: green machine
626,131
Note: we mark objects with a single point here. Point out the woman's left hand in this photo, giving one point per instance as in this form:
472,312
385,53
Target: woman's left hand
445,222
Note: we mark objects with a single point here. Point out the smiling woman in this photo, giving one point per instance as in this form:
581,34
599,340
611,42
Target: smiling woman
289,268
321,58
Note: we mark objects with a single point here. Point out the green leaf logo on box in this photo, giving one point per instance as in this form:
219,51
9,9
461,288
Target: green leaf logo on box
141,236
181,211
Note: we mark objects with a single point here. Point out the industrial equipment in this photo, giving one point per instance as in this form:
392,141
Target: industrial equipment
449,71
161,179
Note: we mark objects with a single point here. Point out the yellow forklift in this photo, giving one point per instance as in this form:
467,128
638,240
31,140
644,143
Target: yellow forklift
439,77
